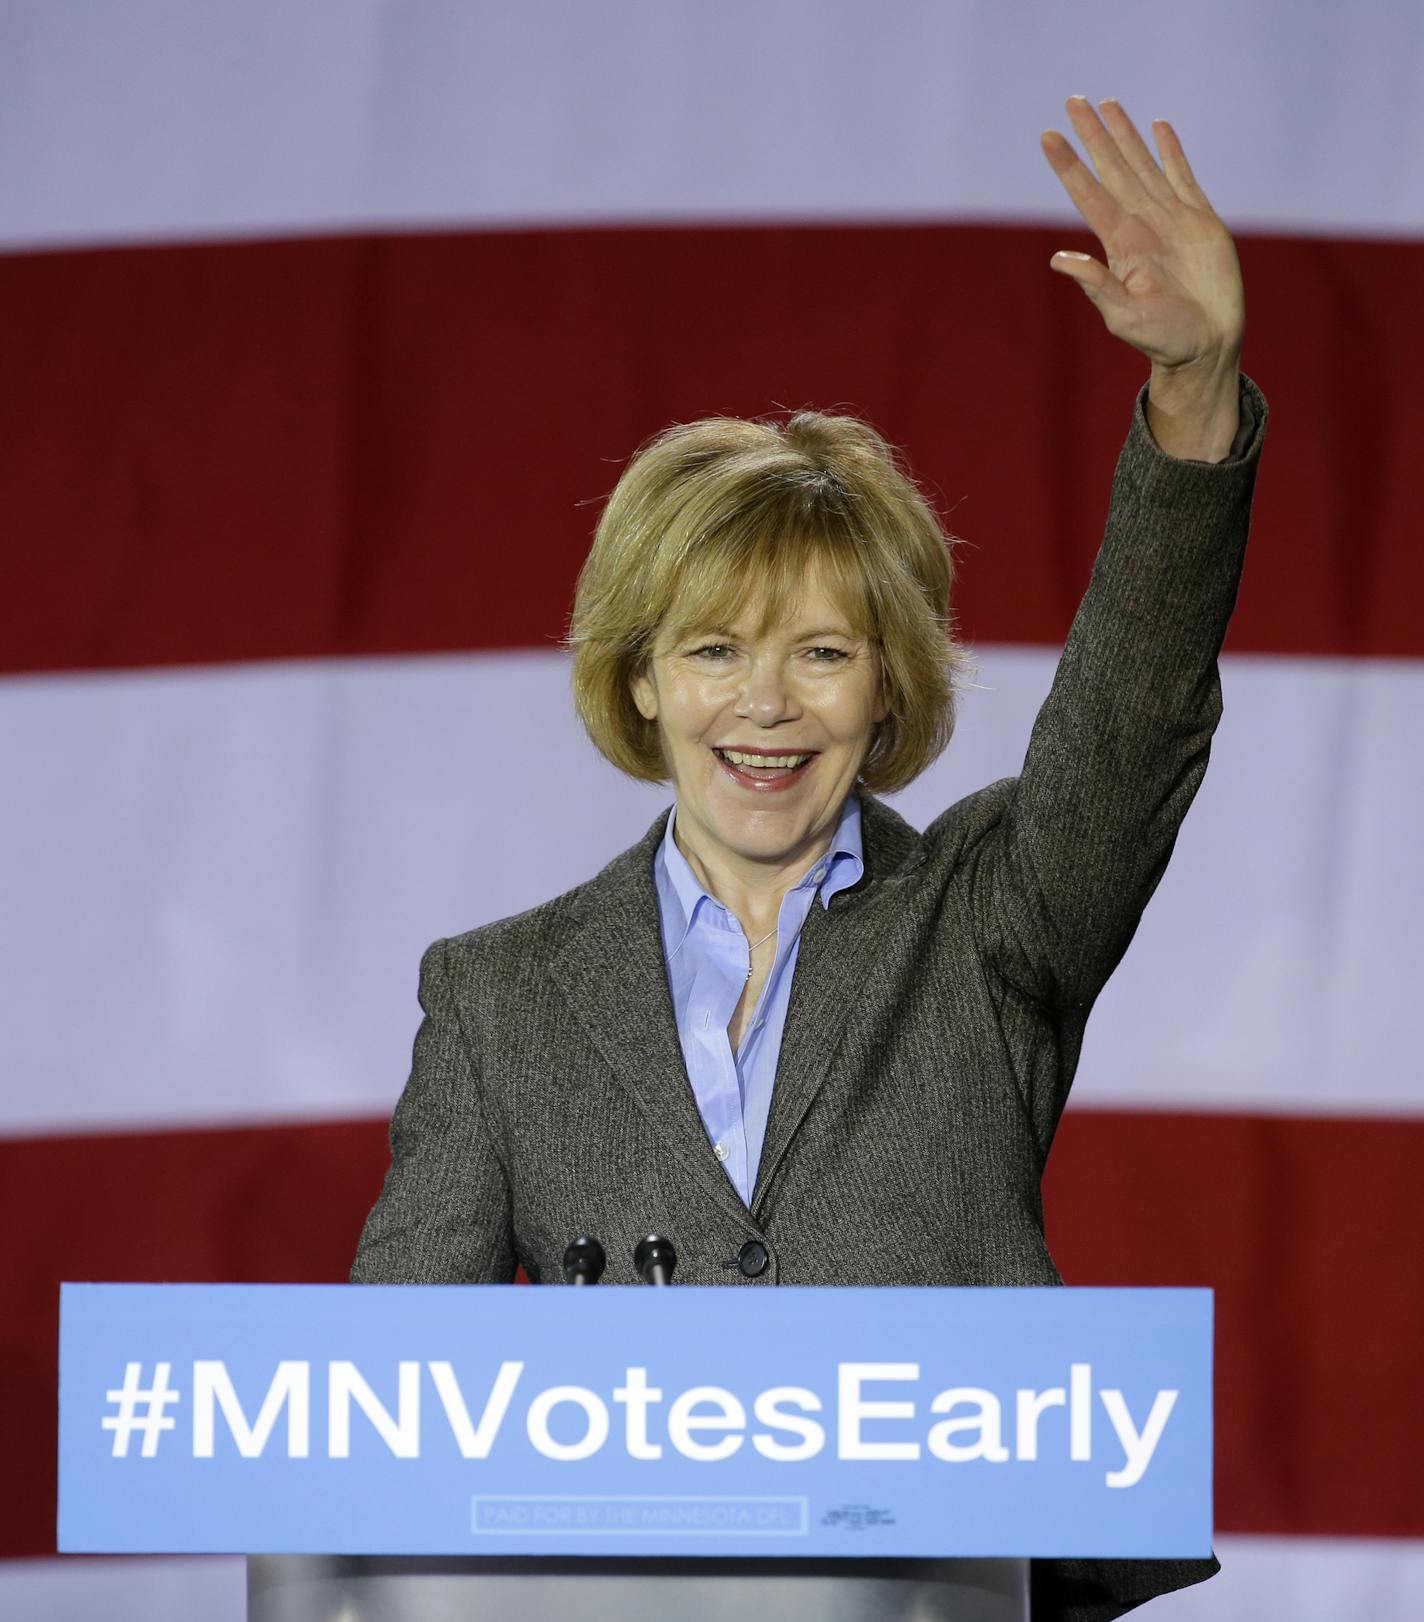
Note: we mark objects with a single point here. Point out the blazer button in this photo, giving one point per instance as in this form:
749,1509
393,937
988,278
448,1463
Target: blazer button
754,1258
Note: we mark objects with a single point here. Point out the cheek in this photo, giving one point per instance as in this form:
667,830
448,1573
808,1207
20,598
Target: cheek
850,713
696,707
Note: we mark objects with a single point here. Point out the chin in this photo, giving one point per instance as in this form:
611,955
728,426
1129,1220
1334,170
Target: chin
763,833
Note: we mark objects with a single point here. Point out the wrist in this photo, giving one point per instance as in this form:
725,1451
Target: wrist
1193,409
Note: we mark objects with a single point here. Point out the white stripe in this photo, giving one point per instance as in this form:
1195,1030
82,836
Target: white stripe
1276,968
154,121
1304,1579
133,1590
216,883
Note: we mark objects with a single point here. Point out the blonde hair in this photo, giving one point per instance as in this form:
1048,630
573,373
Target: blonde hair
712,515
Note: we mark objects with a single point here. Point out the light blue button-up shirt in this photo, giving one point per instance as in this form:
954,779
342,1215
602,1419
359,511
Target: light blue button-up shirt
706,952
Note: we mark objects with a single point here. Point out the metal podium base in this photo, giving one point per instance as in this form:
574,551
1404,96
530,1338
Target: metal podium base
336,1588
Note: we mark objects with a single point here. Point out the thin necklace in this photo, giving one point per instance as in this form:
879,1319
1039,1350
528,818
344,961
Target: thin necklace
752,948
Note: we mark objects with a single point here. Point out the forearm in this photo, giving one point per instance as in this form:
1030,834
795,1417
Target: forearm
1193,410
1120,745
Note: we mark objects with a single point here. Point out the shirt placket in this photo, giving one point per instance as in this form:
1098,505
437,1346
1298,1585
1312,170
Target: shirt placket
756,1064
721,975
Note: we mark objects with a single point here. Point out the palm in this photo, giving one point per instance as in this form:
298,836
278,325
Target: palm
1172,284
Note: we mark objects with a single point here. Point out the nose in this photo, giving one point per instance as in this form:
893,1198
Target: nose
766,695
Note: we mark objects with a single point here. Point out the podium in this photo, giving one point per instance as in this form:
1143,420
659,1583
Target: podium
422,1453
319,1588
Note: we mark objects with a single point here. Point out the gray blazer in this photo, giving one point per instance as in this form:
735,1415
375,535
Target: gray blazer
937,1009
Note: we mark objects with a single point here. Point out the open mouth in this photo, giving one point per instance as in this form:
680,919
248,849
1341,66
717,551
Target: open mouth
764,769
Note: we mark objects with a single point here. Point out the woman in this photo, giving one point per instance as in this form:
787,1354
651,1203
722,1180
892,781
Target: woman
800,1039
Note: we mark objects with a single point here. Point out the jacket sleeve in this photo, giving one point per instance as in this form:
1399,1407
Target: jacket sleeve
1120,746
444,1214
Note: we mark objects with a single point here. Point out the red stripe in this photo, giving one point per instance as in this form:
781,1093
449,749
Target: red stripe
1299,1225
1310,1232
399,444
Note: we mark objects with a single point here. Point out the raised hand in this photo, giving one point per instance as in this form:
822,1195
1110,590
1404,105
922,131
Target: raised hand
1172,283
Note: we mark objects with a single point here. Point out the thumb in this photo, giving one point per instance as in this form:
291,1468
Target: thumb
1096,280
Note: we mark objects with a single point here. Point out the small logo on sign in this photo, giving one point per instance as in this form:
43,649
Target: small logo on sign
857,1517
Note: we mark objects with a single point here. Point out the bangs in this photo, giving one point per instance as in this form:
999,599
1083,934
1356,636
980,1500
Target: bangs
755,568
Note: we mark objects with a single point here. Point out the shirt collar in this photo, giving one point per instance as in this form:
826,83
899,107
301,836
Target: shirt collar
841,867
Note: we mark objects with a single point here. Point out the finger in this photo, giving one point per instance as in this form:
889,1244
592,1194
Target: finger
1136,151
1107,158
1094,203
1174,162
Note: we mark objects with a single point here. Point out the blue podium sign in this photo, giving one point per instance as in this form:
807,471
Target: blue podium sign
678,1421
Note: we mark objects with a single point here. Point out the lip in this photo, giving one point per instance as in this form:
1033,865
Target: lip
762,749
762,785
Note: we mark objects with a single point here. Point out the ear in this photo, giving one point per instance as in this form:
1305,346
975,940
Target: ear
645,693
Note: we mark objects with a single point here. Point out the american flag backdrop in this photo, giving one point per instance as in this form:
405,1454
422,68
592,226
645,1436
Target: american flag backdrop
324,330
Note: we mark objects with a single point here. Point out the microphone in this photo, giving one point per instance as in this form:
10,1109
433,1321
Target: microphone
654,1259
584,1261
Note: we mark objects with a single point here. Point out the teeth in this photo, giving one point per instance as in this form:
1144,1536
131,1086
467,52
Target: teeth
737,758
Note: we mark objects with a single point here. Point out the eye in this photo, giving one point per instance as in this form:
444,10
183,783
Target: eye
828,656
713,651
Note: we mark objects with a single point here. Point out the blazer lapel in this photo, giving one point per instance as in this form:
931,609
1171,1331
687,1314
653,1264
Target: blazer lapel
839,945
612,971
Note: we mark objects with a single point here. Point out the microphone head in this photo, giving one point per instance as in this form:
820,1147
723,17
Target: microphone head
584,1260
654,1254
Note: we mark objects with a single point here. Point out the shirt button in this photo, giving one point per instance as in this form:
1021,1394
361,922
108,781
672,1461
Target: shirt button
720,1150
754,1258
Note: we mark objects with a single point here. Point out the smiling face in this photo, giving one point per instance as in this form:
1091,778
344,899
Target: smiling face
764,729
